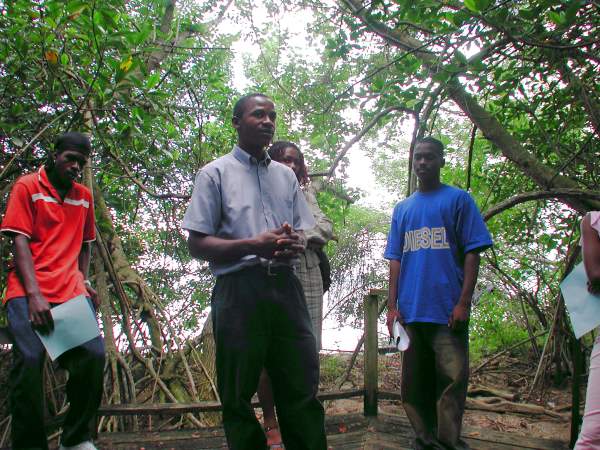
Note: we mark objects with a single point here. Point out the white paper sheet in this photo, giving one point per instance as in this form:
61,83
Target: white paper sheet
583,307
74,324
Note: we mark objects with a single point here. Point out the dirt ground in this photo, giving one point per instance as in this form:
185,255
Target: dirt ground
508,375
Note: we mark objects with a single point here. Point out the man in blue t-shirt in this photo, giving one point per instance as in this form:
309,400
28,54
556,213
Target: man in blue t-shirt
433,248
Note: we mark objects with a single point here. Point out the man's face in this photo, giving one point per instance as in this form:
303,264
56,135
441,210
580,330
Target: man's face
257,125
427,162
291,158
68,165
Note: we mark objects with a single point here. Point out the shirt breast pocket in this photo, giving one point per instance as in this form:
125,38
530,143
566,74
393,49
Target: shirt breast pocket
282,208
48,215
286,206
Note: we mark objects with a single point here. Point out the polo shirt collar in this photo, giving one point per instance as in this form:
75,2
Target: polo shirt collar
249,160
44,181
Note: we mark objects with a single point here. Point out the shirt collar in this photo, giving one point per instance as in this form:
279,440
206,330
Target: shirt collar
249,160
43,178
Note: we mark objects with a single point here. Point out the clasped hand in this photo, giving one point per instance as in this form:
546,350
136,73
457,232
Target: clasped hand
281,243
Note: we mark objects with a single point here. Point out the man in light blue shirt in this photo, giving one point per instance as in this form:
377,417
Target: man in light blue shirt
433,247
245,218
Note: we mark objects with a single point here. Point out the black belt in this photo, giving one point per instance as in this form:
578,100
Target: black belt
271,269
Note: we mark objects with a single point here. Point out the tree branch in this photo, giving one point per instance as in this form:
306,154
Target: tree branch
536,195
491,128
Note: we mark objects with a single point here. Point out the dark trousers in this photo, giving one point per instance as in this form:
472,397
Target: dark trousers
85,365
435,376
261,320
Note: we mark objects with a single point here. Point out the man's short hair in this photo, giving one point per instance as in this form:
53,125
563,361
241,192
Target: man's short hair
435,143
240,105
73,140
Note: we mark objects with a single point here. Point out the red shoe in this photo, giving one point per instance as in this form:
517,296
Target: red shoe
274,438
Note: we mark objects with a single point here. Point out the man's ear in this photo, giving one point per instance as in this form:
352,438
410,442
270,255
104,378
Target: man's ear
235,121
443,162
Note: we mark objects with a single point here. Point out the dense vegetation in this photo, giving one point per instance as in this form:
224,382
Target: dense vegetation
512,88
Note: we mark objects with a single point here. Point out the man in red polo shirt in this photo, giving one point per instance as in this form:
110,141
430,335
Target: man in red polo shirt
51,220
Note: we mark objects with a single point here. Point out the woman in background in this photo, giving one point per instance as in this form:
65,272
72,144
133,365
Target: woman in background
309,273
589,437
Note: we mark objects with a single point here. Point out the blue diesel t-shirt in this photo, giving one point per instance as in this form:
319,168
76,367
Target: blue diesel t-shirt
429,235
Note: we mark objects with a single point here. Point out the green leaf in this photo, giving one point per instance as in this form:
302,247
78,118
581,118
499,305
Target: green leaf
77,6
460,17
171,130
527,14
461,58
411,103
198,28
472,5
64,59
153,80
557,18
482,5
378,84
441,77
571,12
317,141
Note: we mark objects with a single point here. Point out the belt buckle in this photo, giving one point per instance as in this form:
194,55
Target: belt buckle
269,271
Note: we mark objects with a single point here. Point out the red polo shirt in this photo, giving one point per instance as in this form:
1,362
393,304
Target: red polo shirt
56,230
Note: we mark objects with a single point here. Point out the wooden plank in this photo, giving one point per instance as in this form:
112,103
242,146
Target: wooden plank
345,441
209,438
190,444
489,445
345,432
345,423
386,422
397,437
384,444
370,368
337,395
349,417
166,436
511,440
132,409
389,395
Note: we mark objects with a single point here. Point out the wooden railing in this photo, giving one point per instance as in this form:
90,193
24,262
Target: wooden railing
370,392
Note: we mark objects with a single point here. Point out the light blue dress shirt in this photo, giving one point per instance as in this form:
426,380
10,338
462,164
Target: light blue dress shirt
238,197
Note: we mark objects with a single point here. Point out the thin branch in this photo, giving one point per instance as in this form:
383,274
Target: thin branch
470,159
130,175
22,150
507,350
536,195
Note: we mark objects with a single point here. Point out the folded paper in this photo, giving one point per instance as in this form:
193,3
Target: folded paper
400,336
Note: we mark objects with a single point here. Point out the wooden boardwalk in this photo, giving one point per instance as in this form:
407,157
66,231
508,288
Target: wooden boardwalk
345,432
379,431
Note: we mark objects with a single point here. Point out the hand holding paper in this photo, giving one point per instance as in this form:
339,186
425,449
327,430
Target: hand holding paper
401,339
